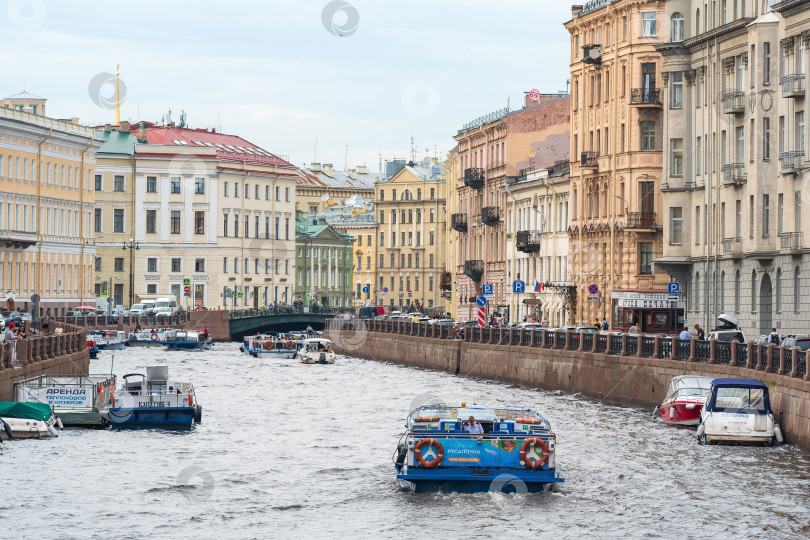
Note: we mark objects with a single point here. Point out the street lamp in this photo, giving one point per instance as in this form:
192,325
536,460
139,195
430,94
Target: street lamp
132,245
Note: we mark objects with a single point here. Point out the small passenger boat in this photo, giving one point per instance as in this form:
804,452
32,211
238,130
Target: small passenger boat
185,340
77,400
515,450
108,339
154,401
738,411
686,396
316,351
27,421
145,338
269,346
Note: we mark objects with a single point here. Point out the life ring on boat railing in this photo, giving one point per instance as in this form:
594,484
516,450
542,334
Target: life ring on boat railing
190,401
426,419
91,344
154,336
524,450
112,397
435,462
100,394
268,344
290,345
528,421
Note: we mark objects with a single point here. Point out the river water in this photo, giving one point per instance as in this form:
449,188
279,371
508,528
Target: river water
288,450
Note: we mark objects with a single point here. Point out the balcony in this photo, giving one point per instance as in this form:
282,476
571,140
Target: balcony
474,178
793,85
734,174
589,160
560,168
458,222
474,270
734,102
790,241
528,241
733,247
17,239
491,215
641,220
645,97
792,162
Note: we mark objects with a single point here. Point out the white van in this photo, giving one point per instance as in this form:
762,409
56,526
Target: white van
148,307
167,302
136,309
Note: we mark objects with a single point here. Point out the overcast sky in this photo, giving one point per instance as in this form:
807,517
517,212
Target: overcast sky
272,72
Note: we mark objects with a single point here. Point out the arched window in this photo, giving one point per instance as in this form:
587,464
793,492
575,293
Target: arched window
796,288
737,291
753,290
722,292
697,291
779,290
677,27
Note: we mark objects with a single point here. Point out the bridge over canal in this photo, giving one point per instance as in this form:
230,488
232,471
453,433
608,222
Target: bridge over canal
287,319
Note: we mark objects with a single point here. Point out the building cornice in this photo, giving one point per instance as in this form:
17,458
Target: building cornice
726,30
789,6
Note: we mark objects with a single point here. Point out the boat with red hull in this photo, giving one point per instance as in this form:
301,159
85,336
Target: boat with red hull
686,397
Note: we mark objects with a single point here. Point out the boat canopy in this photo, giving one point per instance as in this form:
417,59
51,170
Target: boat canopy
689,382
30,411
485,414
739,396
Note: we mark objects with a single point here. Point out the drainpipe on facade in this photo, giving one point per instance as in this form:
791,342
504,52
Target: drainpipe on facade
40,238
134,236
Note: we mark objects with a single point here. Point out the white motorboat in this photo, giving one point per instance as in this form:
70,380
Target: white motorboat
316,351
27,421
738,411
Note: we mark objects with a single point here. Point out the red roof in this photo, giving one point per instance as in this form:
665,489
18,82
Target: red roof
228,147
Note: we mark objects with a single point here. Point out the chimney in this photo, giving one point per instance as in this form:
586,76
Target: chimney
575,9
352,174
362,169
124,126
315,167
329,170
107,128
142,132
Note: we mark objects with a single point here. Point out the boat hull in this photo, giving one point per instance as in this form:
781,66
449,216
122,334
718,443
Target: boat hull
675,413
317,358
143,343
263,353
469,481
185,346
22,428
151,417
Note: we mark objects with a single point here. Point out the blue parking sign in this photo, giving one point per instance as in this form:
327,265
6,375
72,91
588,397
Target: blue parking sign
487,289
674,288
518,287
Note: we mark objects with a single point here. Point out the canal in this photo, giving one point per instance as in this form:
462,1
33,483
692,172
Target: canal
288,450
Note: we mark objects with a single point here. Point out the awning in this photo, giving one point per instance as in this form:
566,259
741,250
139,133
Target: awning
532,301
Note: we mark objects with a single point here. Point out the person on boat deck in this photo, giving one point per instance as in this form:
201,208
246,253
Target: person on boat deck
138,327
205,333
309,328
474,428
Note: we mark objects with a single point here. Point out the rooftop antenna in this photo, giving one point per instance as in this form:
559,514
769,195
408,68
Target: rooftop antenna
346,159
117,95
567,86
413,149
316,150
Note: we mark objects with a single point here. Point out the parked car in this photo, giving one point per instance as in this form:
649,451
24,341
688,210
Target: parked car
165,311
761,339
75,314
727,335
531,325
12,316
367,312
26,316
803,342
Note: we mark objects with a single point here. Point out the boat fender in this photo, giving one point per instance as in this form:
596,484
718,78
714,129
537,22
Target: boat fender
7,429
59,423
700,430
241,348
52,431
672,412
524,450
190,400
154,336
112,397
656,410
198,414
290,345
777,432
435,462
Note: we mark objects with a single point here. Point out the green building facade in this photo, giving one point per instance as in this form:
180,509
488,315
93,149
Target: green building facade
323,264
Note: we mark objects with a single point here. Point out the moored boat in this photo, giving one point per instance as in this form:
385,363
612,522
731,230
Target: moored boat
77,400
514,450
269,346
738,411
145,338
316,351
185,340
686,396
108,339
27,421
154,401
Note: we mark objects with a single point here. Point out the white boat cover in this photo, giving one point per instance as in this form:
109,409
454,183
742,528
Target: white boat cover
689,382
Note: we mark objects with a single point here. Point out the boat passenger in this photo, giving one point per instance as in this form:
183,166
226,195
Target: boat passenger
474,428
205,333
309,329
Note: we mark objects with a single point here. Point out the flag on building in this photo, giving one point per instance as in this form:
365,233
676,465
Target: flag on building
538,287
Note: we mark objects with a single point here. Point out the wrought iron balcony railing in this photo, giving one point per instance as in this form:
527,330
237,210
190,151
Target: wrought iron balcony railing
645,96
458,222
640,220
793,85
528,241
734,102
560,168
732,246
790,241
734,174
474,178
474,269
589,159
792,161
491,215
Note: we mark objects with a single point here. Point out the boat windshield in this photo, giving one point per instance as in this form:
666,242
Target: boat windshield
751,400
693,392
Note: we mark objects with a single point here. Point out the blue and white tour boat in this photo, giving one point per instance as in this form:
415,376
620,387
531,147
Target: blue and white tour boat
108,339
514,451
185,340
269,346
145,338
154,401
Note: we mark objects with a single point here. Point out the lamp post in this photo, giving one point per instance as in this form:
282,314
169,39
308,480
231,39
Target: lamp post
132,245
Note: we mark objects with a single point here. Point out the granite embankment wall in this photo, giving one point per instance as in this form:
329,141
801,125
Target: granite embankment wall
558,361
44,354
217,322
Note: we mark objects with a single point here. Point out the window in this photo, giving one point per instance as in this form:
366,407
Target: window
152,265
266,193
286,228
648,25
256,226
225,188
151,221
753,290
648,135
432,193
697,225
267,227
224,224
799,135
677,27
199,186
96,219
382,261
278,229
119,264
677,90
645,262
677,157
235,189
382,194
98,177
766,63
278,193
118,184
765,215
175,222
118,220
151,184
287,194
225,265
676,225
739,154
199,222
98,264
175,184
766,139
431,237
624,28
247,226
796,289
177,265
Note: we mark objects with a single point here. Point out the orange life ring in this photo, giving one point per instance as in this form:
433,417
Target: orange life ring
91,344
190,401
154,336
433,462
290,345
100,394
268,344
524,450
426,419
528,421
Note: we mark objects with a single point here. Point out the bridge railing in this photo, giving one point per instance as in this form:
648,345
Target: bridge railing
287,310
790,362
